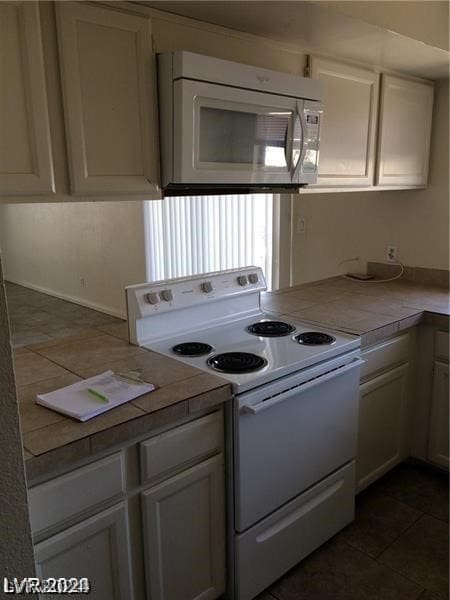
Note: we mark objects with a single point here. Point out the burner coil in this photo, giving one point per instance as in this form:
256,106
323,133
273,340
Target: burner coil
237,362
270,328
192,349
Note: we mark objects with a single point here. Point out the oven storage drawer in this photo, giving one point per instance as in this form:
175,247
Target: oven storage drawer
280,541
287,442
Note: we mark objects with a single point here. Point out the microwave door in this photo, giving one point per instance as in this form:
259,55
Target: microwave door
225,135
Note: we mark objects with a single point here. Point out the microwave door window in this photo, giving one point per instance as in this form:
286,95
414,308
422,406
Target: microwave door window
248,140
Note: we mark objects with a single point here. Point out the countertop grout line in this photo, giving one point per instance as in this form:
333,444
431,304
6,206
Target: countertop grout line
54,363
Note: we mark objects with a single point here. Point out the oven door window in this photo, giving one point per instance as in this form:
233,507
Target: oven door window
242,137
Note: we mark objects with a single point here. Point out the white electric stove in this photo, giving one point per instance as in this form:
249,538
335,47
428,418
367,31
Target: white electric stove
293,417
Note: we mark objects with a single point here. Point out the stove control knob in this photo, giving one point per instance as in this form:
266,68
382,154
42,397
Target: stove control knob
253,277
152,298
207,287
167,295
242,280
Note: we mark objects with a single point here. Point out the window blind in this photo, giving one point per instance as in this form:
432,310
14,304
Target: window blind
197,234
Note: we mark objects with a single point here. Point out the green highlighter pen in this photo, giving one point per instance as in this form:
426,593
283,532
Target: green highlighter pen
97,395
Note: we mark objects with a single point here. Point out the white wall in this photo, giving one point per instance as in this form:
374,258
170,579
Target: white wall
344,225
52,247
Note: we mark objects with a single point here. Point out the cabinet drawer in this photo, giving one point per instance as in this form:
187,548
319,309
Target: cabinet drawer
385,355
166,452
441,345
79,491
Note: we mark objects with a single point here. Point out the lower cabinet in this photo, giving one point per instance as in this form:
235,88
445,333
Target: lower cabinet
383,422
184,538
438,448
96,548
144,523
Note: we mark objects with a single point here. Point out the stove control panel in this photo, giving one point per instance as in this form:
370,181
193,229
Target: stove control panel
220,293
207,287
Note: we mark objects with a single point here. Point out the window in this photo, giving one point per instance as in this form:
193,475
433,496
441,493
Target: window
199,234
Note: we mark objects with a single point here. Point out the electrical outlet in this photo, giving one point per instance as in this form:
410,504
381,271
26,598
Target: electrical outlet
391,253
82,282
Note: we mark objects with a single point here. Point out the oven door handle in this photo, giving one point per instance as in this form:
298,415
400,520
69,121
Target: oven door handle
270,402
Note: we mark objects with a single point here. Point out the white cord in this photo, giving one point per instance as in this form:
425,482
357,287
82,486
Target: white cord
398,263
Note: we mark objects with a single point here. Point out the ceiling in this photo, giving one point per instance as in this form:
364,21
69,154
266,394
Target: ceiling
311,28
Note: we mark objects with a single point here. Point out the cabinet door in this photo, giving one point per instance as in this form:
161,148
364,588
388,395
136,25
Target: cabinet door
97,548
438,433
405,130
184,534
107,70
347,137
25,148
382,424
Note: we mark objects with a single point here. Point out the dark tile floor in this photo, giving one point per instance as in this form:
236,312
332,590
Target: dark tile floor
396,549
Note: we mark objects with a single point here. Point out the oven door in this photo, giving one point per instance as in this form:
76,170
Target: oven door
226,135
286,441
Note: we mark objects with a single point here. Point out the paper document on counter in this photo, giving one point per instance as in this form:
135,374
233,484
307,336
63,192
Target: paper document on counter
91,397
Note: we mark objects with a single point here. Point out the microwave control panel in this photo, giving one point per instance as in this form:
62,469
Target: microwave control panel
312,112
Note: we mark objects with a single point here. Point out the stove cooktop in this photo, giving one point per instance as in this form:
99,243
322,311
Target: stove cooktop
276,355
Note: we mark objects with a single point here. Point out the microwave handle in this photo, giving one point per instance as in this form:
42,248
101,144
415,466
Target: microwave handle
300,115
293,146
288,141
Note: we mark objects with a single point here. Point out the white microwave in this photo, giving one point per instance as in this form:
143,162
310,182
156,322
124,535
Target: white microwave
228,127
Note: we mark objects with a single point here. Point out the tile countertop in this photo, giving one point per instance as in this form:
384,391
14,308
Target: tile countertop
372,310
51,440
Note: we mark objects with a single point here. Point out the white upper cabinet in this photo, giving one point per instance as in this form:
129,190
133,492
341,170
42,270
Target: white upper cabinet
351,155
405,130
108,81
347,139
25,148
